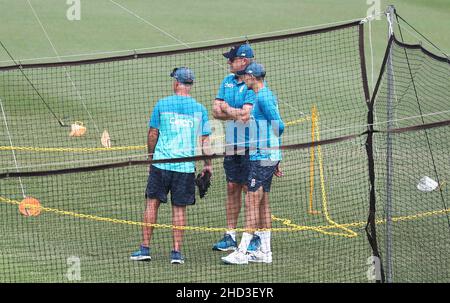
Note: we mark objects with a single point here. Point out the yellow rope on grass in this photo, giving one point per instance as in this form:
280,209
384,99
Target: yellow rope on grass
291,227
142,224
71,149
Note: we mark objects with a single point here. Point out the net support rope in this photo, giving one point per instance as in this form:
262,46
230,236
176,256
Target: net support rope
13,152
65,70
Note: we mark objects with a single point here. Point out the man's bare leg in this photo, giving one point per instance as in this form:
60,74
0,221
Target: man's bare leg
252,216
178,219
150,217
265,215
266,223
233,204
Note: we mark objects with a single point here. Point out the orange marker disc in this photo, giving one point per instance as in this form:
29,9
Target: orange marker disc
30,207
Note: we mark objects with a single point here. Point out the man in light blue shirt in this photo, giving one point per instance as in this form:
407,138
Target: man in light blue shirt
176,124
233,105
266,127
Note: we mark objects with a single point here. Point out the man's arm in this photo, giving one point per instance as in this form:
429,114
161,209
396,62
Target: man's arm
271,113
206,150
242,114
152,139
220,98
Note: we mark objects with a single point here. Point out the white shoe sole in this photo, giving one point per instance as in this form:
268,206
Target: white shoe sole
232,248
141,258
233,263
265,259
260,261
177,261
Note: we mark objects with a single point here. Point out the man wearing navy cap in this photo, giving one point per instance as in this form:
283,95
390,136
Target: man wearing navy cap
176,124
233,105
266,127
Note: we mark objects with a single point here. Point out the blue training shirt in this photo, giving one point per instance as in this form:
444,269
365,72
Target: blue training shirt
266,127
180,121
236,94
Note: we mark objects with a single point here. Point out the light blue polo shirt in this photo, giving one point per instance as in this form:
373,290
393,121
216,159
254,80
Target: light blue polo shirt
236,94
180,121
266,127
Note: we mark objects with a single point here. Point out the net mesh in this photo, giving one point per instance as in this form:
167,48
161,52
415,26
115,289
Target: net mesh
93,217
419,234
119,95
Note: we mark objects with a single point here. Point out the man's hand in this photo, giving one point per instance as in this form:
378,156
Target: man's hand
224,107
278,173
217,110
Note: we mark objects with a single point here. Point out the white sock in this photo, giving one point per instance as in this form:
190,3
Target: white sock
265,241
245,241
232,234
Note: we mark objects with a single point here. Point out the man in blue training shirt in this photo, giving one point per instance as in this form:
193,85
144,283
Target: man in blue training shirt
176,124
266,127
233,104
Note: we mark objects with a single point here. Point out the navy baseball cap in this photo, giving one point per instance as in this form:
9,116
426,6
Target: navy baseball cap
242,50
183,75
255,69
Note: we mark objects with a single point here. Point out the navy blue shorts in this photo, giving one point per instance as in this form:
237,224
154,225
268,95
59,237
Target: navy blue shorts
261,174
180,185
237,168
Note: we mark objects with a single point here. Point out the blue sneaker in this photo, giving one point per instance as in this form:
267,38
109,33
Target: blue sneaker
254,244
176,257
143,254
227,243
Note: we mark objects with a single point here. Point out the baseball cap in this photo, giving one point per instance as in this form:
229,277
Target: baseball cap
183,75
255,69
242,50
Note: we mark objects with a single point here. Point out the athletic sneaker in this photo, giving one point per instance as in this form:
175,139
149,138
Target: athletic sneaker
259,257
227,243
176,257
254,244
143,254
236,257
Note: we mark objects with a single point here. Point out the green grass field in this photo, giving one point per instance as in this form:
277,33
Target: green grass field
120,98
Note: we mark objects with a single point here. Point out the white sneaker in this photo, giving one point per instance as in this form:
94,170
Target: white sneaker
260,257
236,257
